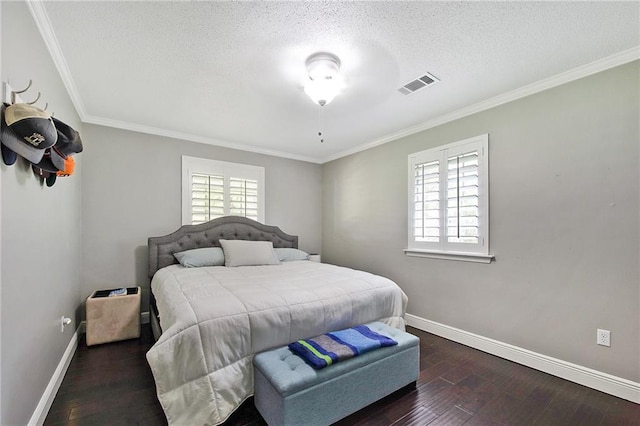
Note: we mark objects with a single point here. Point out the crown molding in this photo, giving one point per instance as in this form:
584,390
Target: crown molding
124,125
43,23
39,13
612,61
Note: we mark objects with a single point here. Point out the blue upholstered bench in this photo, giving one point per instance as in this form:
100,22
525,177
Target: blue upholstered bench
290,392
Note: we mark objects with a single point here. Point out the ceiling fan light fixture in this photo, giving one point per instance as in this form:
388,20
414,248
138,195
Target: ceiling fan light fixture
324,81
321,92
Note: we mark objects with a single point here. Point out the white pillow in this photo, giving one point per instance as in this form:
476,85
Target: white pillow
289,254
207,256
247,253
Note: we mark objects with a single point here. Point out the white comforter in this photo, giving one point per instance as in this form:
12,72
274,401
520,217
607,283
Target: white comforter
214,319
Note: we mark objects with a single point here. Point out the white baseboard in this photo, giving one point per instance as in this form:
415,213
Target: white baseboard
598,380
42,409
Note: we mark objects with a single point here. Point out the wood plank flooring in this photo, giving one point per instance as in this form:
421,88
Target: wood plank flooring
112,384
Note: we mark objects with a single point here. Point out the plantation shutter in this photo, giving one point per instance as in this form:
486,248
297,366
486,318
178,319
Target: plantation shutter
207,197
427,202
463,198
243,198
212,189
448,204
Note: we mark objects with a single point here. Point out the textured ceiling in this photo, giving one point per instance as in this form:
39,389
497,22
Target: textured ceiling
230,73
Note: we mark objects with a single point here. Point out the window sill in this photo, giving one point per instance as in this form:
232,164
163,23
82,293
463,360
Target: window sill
449,255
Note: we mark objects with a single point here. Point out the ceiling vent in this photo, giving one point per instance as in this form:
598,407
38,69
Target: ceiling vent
417,84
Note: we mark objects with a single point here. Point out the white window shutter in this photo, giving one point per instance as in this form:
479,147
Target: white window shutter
427,201
243,197
207,197
463,198
448,204
211,189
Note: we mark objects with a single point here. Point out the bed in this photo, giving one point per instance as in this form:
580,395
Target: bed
210,321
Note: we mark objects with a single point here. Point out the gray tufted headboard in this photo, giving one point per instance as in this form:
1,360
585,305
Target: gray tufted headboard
208,234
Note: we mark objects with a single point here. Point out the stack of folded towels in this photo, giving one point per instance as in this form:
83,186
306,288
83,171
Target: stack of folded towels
326,349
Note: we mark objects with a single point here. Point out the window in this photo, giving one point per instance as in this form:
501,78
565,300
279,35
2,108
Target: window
448,201
212,189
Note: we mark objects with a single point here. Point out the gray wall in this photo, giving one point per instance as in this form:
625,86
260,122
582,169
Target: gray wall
132,190
564,223
40,236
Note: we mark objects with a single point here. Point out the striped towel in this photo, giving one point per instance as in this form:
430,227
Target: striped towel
326,349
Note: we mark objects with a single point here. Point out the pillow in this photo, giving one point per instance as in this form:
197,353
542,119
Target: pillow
246,253
289,254
208,256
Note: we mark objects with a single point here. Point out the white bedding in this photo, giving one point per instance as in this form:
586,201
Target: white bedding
215,318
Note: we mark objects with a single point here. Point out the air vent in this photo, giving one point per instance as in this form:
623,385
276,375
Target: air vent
417,84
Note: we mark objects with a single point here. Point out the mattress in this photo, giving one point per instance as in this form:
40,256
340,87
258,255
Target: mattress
214,319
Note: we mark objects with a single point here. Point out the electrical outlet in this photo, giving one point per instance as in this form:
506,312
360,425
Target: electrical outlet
604,338
64,321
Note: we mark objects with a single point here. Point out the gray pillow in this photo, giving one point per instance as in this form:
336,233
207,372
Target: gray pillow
208,256
289,254
248,253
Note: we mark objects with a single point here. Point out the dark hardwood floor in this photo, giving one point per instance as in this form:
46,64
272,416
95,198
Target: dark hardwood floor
111,384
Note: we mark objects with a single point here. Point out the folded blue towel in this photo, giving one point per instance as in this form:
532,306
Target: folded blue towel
326,349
